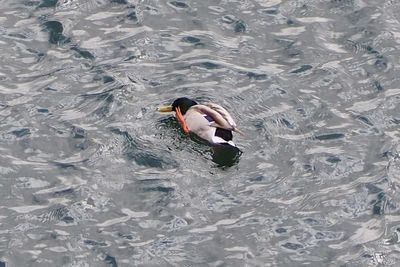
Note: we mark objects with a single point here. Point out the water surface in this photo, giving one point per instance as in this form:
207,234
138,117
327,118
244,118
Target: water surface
91,175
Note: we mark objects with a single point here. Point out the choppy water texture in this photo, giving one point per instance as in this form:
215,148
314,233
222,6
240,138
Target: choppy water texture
91,175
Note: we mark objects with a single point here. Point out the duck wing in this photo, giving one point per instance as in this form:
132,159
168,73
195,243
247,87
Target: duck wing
223,112
222,118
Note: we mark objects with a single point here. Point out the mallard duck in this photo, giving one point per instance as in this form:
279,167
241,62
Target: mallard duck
209,121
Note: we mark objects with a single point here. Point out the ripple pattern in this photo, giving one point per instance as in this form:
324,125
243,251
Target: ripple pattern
91,175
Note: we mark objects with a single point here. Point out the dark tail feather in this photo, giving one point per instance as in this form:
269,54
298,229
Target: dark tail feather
225,154
224,134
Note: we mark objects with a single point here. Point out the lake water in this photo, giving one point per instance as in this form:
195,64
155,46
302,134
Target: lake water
92,175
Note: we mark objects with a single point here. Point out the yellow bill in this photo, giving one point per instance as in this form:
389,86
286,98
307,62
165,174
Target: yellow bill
165,109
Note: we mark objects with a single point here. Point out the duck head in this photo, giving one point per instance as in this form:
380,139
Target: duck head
180,106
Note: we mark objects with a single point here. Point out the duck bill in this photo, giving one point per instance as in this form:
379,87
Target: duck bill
165,109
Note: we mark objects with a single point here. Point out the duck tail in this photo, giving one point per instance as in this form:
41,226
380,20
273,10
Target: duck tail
226,154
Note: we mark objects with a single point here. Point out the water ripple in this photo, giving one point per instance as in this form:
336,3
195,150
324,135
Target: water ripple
91,175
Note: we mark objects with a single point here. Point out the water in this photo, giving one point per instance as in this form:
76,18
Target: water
91,175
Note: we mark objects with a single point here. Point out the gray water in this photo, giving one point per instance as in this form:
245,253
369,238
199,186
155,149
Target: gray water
92,175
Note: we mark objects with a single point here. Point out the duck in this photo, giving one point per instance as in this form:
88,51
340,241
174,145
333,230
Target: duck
209,121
